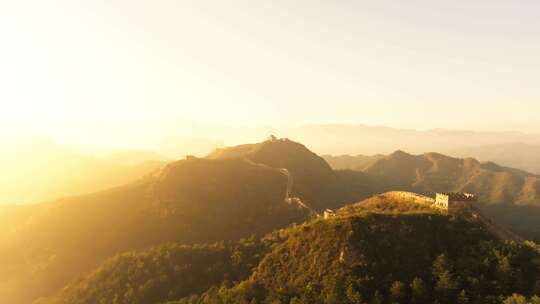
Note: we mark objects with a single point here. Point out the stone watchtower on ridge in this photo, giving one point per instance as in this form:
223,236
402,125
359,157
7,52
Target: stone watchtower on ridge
453,200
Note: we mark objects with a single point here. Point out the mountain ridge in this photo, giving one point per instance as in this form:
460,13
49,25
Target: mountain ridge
314,180
435,172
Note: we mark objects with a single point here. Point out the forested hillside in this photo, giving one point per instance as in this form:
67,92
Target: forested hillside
166,272
388,253
380,251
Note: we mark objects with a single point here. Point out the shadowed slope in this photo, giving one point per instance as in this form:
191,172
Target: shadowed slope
314,181
434,172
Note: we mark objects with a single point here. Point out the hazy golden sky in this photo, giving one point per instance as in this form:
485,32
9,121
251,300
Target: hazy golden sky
124,71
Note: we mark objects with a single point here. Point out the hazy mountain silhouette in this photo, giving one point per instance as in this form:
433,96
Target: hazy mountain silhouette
434,172
349,162
516,155
41,170
339,139
512,149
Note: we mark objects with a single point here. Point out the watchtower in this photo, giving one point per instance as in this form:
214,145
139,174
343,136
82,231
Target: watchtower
452,200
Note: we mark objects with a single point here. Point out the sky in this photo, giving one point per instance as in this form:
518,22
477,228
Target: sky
122,72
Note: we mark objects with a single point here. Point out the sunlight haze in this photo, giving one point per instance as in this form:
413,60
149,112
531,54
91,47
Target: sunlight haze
283,151
118,72
159,80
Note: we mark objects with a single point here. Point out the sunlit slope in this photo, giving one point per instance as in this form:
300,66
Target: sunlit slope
314,181
189,201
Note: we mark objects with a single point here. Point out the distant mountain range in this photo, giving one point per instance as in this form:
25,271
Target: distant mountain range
434,172
512,149
369,140
514,154
40,170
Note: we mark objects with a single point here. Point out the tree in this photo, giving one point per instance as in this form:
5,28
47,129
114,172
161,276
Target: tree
440,265
446,284
536,288
515,299
418,291
296,300
398,292
377,298
353,296
504,270
463,298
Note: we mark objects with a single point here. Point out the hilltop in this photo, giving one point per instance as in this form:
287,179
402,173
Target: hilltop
380,250
314,180
189,201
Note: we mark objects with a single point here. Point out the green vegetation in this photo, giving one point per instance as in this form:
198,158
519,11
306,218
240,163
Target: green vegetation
524,219
378,256
166,272
381,251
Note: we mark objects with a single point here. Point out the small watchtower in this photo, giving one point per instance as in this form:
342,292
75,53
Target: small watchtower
452,200
328,213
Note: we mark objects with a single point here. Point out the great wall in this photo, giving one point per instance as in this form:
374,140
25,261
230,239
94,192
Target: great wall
288,193
411,196
447,202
